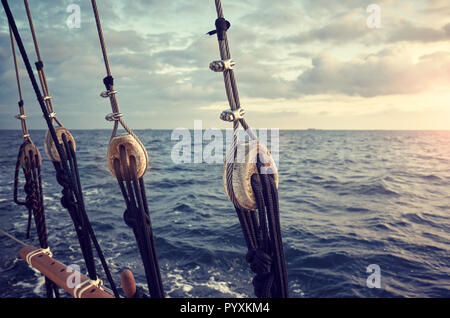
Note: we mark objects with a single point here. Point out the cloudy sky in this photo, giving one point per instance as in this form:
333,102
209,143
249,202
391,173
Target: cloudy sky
300,63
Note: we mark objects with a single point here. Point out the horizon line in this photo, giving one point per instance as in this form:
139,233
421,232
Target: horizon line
293,129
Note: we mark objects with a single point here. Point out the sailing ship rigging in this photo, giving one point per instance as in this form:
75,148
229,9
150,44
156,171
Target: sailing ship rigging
252,186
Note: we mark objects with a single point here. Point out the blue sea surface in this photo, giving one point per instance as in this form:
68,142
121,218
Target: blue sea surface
348,199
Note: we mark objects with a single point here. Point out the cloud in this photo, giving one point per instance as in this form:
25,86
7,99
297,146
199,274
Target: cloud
284,50
387,72
412,33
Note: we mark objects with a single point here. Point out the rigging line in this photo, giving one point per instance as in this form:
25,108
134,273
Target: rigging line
262,232
45,111
13,238
33,33
13,48
109,83
41,72
228,74
21,116
33,176
100,35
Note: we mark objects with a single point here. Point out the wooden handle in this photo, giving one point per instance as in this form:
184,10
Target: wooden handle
128,283
59,273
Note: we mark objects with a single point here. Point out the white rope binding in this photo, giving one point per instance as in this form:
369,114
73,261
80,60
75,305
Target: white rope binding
34,253
82,287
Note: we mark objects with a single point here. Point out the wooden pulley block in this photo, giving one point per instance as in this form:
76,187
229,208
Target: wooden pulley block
133,149
244,167
49,145
30,149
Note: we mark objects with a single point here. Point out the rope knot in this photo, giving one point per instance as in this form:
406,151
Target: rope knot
260,262
67,201
109,82
39,65
129,220
62,179
222,26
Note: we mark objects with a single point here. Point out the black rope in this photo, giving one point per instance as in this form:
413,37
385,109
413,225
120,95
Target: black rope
137,217
66,170
267,260
261,229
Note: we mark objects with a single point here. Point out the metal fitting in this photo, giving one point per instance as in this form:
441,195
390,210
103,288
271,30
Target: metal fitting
221,66
230,115
113,116
107,94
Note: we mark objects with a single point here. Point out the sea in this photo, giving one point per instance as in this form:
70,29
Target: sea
363,214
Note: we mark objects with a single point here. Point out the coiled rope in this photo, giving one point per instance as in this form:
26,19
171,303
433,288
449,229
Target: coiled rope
66,168
262,232
29,159
123,153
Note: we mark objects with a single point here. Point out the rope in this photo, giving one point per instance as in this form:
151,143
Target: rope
67,169
32,172
21,115
13,238
110,93
81,288
100,35
136,215
261,231
40,68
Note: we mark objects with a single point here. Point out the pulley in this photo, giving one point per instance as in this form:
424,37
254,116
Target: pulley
49,146
133,149
243,167
29,151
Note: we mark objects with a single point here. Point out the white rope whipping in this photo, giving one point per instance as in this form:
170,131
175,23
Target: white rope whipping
39,251
82,287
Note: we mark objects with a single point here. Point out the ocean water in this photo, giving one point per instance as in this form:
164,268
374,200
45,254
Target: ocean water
348,199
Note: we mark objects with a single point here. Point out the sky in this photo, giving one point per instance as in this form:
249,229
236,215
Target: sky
300,63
